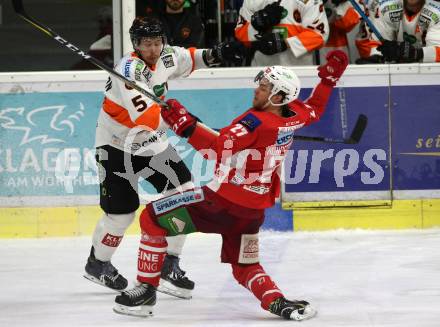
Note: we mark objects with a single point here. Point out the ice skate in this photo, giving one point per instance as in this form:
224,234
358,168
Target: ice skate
138,301
173,281
104,273
292,310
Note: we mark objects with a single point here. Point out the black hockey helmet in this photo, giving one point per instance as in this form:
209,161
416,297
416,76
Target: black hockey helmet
146,27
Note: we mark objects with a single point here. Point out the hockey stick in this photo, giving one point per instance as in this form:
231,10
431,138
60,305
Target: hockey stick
19,9
367,20
354,138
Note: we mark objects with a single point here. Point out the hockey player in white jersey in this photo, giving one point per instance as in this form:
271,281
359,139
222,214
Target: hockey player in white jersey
131,142
411,29
283,32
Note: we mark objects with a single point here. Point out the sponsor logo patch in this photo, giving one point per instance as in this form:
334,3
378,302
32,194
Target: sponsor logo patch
168,61
250,121
127,67
111,240
172,202
249,250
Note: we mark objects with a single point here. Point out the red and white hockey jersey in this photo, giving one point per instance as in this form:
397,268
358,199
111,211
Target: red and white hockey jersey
249,152
129,120
304,26
422,29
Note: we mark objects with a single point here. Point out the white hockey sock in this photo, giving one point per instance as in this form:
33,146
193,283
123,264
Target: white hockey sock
175,244
108,234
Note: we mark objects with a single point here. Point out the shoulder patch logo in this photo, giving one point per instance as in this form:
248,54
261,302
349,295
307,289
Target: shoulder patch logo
168,61
250,121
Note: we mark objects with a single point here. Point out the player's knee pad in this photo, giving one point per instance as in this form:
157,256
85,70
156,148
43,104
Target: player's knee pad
244,273
149,224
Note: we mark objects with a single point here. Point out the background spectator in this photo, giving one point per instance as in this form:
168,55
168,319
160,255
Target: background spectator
342,19
283,32
411,29
183,25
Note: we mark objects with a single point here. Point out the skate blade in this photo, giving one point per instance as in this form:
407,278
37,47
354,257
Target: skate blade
309,312
168,288
143,311
99,282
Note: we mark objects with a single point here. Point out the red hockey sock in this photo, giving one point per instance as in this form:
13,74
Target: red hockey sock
152,250
255,279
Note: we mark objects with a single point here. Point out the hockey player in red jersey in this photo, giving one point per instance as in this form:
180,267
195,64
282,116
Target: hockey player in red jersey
248,155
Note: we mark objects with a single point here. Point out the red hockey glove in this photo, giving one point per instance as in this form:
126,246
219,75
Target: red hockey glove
330,72
180,120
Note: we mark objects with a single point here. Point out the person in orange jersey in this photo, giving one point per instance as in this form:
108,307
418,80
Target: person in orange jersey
282,32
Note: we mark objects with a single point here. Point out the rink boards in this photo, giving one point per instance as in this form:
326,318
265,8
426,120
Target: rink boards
390,180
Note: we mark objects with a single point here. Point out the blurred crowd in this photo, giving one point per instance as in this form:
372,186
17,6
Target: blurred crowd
301,32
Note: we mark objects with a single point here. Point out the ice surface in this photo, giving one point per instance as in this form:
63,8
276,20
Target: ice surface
354,278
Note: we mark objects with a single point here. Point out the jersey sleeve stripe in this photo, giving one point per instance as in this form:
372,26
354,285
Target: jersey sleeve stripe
118,113
150,117
242,33
192,52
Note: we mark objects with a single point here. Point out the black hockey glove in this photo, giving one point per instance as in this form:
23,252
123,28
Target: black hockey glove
338,2
270,43
267,17
402,52
409,53
227,53
374,59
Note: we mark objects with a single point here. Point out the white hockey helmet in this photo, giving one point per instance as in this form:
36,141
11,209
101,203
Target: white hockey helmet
282,79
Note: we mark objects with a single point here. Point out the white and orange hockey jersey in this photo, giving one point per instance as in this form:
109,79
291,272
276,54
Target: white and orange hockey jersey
422,29
342,19
304,26
131,121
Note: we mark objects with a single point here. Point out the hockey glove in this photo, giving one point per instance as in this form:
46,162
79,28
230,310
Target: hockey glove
266,18
226,53
394,51
374,59
180,120
330,72
338,2
270,43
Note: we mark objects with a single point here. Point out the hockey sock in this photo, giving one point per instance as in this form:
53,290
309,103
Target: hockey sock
108,234
175,244
255,279
152,250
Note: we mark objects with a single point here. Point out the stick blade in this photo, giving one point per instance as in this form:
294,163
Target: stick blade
18,6
358,130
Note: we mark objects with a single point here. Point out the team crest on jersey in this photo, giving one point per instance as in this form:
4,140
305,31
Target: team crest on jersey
168,61
250,121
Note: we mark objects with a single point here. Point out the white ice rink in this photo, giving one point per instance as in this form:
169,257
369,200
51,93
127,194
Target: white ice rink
354,278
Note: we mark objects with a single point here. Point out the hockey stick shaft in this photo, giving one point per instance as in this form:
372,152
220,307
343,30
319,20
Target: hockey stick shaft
19,9
355,136
367,20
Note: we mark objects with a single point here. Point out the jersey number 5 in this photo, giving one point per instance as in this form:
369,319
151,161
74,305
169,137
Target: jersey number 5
139,104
